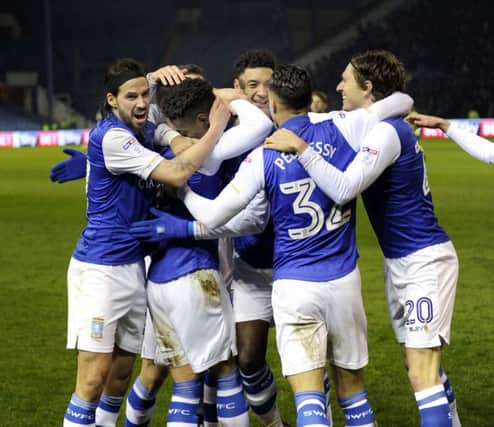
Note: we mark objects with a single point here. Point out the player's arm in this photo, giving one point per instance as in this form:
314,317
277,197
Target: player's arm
252,220
124,154
253,127
478,147
248,181
177,171
379,149
396,104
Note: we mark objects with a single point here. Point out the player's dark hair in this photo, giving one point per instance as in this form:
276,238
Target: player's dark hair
190,97
253,58
383,69
292,84
192,69
321,95
118,73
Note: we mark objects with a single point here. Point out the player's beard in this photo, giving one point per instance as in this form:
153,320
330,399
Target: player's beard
136,123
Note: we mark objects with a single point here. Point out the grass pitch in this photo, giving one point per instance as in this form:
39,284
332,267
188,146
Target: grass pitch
41,221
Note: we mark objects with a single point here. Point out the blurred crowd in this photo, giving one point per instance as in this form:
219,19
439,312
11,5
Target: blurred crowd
446,46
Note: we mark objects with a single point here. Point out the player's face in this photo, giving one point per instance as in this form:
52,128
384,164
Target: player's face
254,84
352,94
191,128
317,105
131,105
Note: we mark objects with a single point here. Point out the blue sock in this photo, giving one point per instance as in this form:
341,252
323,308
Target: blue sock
260,393
107,410
357,410
450,395
230,402
210,417
80,413
140,405
433,407
311,408
184,403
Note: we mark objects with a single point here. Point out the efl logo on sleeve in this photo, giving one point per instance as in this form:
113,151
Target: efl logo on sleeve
370,150
128,144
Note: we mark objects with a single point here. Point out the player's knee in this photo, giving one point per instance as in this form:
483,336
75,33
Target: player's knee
250,361
90,387
421,377
151,375
224,368
347,381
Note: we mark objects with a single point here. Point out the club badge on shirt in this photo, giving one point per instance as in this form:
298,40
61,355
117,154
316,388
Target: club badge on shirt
97,324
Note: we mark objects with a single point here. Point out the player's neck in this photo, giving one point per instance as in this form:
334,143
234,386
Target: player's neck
284,115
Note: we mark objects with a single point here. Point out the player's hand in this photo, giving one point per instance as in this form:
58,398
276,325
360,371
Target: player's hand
164,227
70,169
423,120
286,141
229,94
219,115
169,75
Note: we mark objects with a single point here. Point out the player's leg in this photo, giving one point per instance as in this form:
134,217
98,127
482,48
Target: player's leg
187,386
347,352
100,297
423,374
115,388
301,336
421,314
92,371
210,416
310,399
186,396
231,407
327,392
194,325
450,394
253,316
142,396
141,399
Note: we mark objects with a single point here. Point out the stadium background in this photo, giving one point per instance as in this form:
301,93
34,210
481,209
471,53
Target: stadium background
447,47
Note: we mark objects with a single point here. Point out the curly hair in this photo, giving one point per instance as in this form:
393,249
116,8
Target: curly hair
292,84
189,97
253,58
383,69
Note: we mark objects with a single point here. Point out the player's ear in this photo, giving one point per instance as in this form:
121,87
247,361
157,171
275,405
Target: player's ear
202,117
273,106
111,100
368,87
236,84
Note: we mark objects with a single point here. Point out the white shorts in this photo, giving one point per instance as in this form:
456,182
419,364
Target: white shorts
252,289
107,306
149,346
319,321
193,320
421,290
